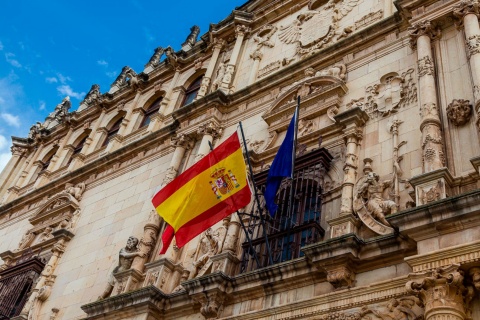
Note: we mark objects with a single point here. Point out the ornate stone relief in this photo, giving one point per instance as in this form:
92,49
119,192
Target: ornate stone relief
369,203
128,77
171,57
459,111
262,39
442,292
315,28
387,97
423,28
425,66
93,96
256,145
305,127
473,45
397,158
211,243
222,68
463,8
431,193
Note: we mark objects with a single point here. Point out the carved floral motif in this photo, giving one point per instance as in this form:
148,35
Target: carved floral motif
425,66
459,111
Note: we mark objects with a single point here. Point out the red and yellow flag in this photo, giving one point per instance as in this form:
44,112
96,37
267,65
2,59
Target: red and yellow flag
210,190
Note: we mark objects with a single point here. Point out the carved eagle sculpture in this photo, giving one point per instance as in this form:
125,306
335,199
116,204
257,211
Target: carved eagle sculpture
314,25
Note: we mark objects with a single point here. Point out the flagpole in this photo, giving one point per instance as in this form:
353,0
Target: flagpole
262,219
243,227
294,153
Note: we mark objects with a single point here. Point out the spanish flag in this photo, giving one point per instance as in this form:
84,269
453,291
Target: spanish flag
210,190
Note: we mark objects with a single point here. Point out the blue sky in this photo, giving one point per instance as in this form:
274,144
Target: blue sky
50,49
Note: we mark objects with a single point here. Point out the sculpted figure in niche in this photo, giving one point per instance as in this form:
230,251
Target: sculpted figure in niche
125,259
371,190
220,74
45,235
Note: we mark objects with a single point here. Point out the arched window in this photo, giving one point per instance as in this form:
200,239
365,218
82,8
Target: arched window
192,91
77,149
112,132
46,163
151,111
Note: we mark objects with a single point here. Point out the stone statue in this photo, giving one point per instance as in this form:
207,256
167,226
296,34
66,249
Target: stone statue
35,130
371,191
171,57
60,114
75,191
45,235
93,95
155,59
125,259
220,74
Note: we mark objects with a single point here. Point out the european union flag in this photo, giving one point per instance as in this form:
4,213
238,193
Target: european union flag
282,166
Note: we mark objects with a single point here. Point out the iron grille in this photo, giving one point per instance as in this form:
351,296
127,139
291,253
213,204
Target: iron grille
297,221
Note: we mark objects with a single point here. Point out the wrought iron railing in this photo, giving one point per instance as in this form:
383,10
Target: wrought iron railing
297,221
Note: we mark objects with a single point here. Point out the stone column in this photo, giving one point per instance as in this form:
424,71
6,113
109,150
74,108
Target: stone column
207,78
467,13
434,183
240,32
12,168
93,137
208,131
353,121
231,239
421,35
442,293
257,56
182,143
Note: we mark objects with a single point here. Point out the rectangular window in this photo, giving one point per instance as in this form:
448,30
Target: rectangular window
297,221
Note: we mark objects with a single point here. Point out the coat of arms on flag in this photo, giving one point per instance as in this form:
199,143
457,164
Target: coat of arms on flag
225,181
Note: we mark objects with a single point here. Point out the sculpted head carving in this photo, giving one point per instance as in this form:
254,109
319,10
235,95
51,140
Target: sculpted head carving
132,243
459,111
475,275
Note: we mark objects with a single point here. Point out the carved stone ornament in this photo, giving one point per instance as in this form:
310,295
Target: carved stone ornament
263,36
93,96
172,58
315,28
340,276
128,77
211,243
192,37
425,66
155,58
391,94
305,127
465,7
473,45
211,128
423,28
459,111
398,308
442,292
222,67
182,140
369,203
212,303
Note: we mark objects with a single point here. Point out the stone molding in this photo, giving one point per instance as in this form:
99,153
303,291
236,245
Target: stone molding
423,28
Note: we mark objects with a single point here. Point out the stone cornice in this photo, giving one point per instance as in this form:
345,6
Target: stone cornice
91,168
439,217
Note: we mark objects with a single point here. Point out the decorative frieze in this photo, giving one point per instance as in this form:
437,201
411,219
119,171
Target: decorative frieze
368,19
269,68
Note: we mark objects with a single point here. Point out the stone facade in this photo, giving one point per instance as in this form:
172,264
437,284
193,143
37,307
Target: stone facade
387,154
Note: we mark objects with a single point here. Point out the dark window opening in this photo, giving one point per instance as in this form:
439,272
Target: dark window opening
151,111
296,223
112,132
192,91
16,283
77,149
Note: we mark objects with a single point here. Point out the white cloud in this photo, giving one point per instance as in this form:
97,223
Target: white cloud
63,79
9,57
51,80
42,105
66,90
3,142
102,63
10,119
112,74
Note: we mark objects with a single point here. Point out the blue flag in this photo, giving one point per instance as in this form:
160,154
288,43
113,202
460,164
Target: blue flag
282,167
